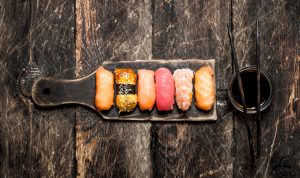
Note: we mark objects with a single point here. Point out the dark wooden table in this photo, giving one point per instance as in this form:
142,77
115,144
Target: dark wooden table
71,38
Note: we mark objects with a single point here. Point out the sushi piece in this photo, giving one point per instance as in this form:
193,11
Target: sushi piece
164,87
146,89
126,99
183,79
205,88
104,98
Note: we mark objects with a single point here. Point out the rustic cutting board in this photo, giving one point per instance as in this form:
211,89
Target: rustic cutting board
53,92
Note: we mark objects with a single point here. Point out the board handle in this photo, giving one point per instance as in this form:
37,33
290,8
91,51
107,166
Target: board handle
49,91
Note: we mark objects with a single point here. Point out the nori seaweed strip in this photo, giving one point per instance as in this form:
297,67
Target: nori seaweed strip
126,89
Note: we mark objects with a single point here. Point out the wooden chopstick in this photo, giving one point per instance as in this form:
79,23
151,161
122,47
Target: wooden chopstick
258,131
243,99
236,68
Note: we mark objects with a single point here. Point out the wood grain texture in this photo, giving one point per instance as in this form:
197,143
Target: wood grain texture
106,31
35,142
184,29
14,114
280,126
39,142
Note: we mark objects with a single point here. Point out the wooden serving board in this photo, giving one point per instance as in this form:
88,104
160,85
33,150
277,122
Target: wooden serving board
53,92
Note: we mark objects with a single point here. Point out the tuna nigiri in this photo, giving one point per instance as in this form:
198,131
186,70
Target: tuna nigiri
146,89
104,89
164,87
183,79
205,88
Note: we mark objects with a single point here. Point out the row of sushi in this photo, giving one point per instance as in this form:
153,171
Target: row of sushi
159,86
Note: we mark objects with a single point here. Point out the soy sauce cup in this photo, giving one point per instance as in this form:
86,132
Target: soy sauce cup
248,77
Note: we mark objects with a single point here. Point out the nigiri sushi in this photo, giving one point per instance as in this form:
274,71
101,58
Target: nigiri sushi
205,88
104,98
146,89
183,79
126,99
164,87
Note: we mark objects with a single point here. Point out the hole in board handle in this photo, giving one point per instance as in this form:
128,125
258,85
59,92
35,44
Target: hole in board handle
46,91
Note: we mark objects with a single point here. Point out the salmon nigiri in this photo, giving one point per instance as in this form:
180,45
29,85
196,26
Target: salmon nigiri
104,89
183,88
146,89
164,87
205,88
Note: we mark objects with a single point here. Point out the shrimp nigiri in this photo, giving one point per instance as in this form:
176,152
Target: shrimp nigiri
183,88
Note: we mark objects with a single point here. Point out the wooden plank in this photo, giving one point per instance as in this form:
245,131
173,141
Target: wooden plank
280,126
35,142
106,31
53,49
185,29
14,140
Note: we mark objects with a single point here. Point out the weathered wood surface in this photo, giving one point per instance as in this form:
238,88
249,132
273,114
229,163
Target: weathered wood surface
280,56
35,142
183,29
70,39
111,30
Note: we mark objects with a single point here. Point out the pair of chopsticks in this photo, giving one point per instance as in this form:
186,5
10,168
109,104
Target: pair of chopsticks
236,68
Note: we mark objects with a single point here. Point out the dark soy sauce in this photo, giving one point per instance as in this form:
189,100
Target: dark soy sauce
250,89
